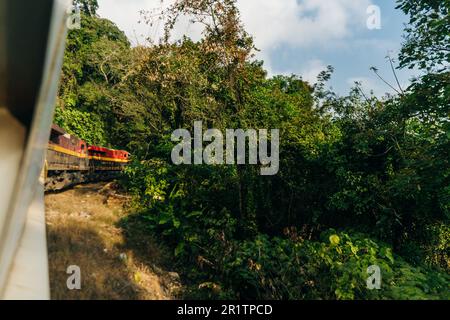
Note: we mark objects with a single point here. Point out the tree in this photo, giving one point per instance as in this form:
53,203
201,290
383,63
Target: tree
427,34
357,162
96,59
88,7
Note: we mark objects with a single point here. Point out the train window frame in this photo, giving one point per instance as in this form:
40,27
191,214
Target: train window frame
54,137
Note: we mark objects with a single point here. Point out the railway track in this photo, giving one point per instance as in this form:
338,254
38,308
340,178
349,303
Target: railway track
62,180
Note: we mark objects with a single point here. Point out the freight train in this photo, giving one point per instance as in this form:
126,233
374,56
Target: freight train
70,161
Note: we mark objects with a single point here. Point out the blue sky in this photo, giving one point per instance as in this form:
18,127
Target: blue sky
353,57
300,36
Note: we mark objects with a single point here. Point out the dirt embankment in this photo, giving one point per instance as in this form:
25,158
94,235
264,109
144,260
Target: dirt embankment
87,227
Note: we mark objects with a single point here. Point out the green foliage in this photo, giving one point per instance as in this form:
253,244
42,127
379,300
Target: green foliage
88,7
183,207
379,166
334,268
85,125
95,61
427,34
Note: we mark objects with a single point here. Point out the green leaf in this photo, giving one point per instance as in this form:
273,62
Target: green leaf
179,249
334,239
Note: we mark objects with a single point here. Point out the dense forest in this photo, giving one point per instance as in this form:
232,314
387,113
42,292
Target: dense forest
363,180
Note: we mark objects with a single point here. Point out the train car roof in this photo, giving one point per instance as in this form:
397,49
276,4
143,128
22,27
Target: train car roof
102,149
58,129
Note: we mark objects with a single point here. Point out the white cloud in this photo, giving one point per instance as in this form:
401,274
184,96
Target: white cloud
312,70
369,85
309,71
127,15
302,23
273,23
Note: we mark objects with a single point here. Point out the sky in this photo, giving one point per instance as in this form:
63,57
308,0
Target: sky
300,37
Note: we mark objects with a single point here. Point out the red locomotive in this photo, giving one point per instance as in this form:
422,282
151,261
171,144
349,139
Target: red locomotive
71,160
107,159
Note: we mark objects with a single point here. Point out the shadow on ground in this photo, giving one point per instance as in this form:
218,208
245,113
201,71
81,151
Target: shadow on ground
84,228
103,276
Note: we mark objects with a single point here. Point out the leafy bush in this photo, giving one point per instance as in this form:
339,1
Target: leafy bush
217,264
358,162
336,268
85,125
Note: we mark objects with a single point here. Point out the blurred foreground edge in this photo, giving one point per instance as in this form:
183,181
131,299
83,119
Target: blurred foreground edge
32,39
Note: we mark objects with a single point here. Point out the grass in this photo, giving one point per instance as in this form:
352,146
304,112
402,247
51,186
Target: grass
83,229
